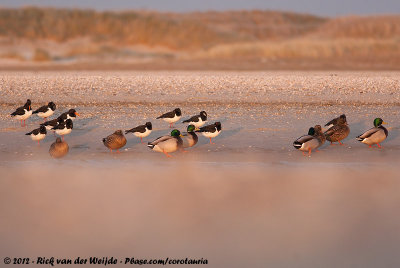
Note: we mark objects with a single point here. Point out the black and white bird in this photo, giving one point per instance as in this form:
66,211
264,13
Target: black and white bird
211,131
197,120
171,117
23,112
70,114
141,131
38,134
50,124
46,110
63,127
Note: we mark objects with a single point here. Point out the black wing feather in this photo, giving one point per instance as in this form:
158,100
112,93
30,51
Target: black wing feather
192,119
167,115
19,111
42,109
141,129
209,128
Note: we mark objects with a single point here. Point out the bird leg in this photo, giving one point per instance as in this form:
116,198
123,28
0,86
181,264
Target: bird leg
171,125
141,140
211,142
309,152
21,124
168,155
341,143
110,150
24,123
379,145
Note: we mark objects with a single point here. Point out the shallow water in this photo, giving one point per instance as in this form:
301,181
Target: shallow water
250,200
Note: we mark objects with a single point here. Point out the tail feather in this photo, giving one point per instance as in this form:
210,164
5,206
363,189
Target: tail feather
151,146
186,121
14,114
297,144
359,138
35,112
29,133
127,131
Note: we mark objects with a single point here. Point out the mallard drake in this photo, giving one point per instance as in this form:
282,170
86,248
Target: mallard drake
46,110
141,131
63,127
197,120
38,134
314,139
338,131
190,138
375,135
58,148
167,144
211,131
115,141
23,112
171,117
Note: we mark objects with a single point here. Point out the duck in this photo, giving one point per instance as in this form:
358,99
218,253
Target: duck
58,148
115,141
38,134
190,138
171,117
335,121
141,131
211,131
338,131
167,144
63,127
197,120
70,114
23,112
375,135
46,110
314,139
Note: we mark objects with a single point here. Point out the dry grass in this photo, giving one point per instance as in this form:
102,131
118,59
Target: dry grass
232,35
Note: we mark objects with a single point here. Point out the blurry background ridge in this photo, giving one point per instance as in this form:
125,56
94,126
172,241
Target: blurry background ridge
33,37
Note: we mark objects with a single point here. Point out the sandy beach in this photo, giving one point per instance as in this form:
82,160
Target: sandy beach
250,200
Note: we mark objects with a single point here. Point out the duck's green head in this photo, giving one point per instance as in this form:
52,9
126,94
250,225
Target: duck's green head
175,133
378,122
191,128
311,131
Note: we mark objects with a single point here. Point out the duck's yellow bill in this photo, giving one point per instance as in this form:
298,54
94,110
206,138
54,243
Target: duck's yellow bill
384,123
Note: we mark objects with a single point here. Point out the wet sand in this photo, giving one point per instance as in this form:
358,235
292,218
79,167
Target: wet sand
249,200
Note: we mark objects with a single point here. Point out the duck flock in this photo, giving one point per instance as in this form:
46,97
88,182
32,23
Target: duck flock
335,130
63,125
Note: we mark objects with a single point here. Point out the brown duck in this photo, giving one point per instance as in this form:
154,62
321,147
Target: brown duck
338,131
58,148
115,141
